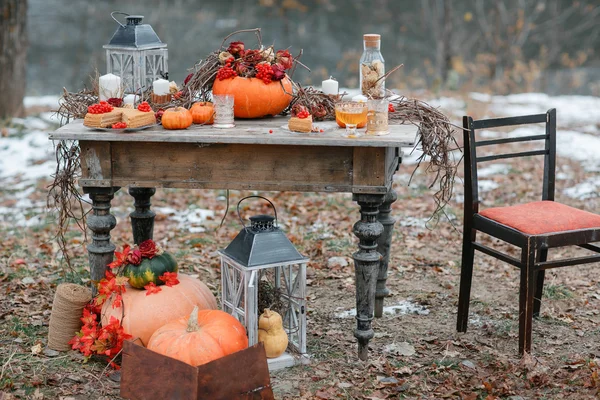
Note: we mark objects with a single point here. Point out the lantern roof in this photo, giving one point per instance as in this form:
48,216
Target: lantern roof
135,35
262,244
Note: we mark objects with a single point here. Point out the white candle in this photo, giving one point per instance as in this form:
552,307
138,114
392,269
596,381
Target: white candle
160,87
129,99
109,86
330,86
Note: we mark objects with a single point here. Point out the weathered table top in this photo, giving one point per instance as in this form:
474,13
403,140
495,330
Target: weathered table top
254,131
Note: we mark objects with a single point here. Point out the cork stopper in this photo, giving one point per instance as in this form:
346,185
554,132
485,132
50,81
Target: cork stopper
372,39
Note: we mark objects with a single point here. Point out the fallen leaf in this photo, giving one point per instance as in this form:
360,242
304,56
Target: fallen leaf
37,349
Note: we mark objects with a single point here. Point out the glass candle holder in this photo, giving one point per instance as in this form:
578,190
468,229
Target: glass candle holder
351,114
223,110
377,117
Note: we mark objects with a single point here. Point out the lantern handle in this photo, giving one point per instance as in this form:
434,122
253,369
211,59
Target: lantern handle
258,197
112,14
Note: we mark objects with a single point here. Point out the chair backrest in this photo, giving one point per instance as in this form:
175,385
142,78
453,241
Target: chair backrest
471,158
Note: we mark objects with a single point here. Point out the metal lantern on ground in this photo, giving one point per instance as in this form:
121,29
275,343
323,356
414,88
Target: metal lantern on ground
261,256
136,54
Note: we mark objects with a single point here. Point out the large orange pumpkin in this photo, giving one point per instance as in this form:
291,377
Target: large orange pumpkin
253,98
200,338
177,118
203,112
145,314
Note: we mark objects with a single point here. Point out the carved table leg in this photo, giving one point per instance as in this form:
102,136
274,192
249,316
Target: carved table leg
142,219
101,222
366,266
383,247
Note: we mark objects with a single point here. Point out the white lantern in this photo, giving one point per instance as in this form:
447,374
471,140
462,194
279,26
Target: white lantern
261,254
136,54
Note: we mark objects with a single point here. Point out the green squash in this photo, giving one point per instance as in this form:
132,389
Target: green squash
149,270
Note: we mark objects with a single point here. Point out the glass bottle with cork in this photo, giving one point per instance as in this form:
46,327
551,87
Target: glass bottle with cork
372,68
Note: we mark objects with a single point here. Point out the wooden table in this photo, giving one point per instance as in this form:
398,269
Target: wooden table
247,157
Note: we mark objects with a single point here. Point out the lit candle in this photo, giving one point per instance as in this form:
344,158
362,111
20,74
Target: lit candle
129,99
109,86
330,86
160,87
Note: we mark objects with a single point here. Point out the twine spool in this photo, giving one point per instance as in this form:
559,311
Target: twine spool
67,309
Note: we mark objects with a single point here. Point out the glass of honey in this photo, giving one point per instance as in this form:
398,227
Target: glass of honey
351,114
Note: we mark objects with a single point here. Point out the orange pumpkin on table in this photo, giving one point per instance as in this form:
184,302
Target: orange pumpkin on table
143,314
203,113
177,118
254,98
204,336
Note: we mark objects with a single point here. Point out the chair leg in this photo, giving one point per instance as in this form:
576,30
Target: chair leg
466,277
528,275
539,284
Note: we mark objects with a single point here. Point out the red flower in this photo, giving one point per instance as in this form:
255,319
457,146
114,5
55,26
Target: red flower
151,288
241,69
135,257
121,258
284,58
148,249
278,72
236,48
169,278
115,101
252,56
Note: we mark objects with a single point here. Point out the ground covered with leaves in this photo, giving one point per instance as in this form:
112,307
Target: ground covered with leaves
416,352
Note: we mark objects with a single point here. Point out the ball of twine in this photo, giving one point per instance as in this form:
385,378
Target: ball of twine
67,309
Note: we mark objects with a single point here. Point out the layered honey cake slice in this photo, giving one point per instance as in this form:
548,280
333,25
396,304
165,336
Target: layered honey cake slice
135,118
304,125
104,120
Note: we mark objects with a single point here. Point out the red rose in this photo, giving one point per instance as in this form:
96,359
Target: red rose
278,72
253,56
148,248
241,69
284,58
236,48
135,257
115,101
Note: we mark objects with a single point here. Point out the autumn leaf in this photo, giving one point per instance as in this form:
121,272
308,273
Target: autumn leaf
151,288
169,278
120,258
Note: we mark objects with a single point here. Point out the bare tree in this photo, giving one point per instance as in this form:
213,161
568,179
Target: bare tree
13,56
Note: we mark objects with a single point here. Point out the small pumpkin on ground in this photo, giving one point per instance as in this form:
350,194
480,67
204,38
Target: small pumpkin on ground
149,270
204,336
177,118
142,314
203,112
272,334
253,98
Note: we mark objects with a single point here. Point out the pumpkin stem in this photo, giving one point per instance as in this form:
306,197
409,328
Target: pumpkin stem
192,325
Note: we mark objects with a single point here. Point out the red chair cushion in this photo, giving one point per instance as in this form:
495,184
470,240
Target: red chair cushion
542,217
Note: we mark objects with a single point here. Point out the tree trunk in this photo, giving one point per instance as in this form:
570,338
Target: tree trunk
13,56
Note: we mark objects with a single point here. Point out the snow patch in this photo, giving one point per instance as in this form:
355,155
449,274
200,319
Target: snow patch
585,190
191,219
40,101
404,307
493,169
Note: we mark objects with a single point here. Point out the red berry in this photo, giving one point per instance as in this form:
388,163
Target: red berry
391,108
144,107
119,125
270,130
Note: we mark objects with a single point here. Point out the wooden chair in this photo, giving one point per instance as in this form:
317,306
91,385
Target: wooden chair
535,227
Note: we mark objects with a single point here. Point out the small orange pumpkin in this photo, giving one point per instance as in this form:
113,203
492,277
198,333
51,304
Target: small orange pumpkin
143,314
253,98
177,118
203,113
200,338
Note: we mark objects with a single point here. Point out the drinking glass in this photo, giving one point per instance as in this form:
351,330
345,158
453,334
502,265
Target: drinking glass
351,114
223,110
377,117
